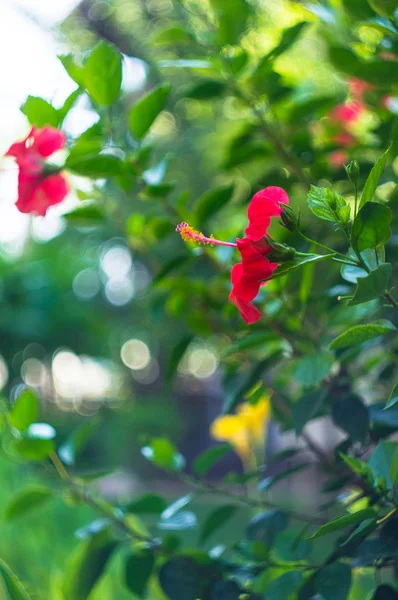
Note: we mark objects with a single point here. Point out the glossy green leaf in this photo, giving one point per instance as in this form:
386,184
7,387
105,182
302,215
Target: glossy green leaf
162,453
393,399
97,166
373,285
33,449
147,504
145,111
26,500
181,579
87,564
207,459
284,586
138,569
265,526
333,582
75,71
308,407
217,519
171,36
40,112
327,204
232,17
10,586
103,73
345,521
381,460
25,410
362,531
211,202
350,414
371,227
311,369
362,333
374,178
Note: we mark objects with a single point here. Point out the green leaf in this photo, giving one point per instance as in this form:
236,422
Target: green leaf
307,408
10,584
345,521
68,104
171,36
176,356
362,531
288,39
182,579
393,399
311,369
268,482
385,592
77,441
25,410
361,333
206,461
211,202
394,467
373,285
350,414
40,112
334,581
85,216
284,586
384,8
205,90
87,564
299,260
360,468
138,569
26,500
232,18
103,73
251,340
374,178
371,227
162,453
147,504
253,377
94,165
145,111
381,460
327,204
265,526
216,519
377,71
75,71
34,449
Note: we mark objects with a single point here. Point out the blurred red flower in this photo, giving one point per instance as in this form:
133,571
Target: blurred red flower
38,188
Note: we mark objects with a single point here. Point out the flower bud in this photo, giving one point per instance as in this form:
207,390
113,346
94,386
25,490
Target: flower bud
352,170
280,252
290,219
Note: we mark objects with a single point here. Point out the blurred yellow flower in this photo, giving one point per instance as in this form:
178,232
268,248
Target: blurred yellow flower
246,430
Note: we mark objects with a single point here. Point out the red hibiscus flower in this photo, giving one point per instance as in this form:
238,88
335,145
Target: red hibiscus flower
346,113
248,276
38,190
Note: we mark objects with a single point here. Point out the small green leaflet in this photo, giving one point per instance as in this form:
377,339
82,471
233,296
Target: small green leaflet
344,521
328,205
393,399
374,177
205,461
361,333
373,285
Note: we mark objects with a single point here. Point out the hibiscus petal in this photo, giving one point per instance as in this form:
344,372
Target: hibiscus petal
264,205
48,140
249,312
36,195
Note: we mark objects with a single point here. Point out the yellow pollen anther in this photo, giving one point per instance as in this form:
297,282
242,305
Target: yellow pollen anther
189,234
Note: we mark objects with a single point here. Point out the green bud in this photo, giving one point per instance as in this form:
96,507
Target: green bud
280,252
290,219
352,170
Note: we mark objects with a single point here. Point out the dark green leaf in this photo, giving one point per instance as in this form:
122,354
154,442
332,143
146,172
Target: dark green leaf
40,112
227,590
284,586
265,526
307,408
73,446
34,449
25,410
358,9
345,521
176,356
360,468
361,531
327,204
376,71
334,581
145,111
211,202
95,165
288,39
147,504
232,17
381,460
350,414
216,519
138,569
87,564
26,500
361,333
10,584
232,399
181,579
268,482
373,285
374,178
393,399
103,73
311,369
385,592
205,461
384,8
162,453
251,340
371,226
205,90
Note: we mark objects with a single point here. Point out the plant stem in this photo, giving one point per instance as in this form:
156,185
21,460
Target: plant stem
310,241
